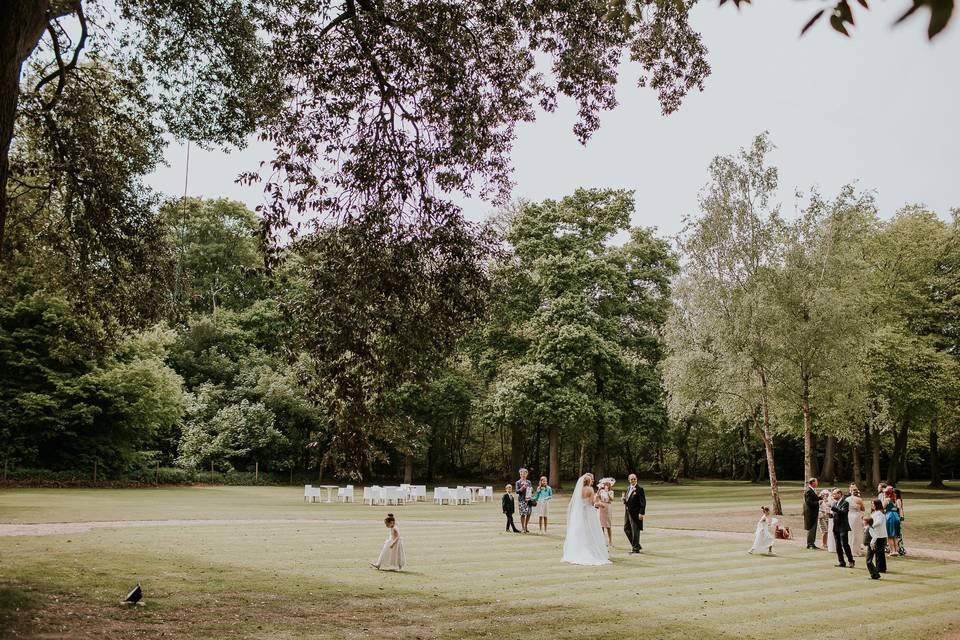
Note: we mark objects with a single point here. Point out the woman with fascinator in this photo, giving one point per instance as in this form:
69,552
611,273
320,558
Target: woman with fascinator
584,543
603,500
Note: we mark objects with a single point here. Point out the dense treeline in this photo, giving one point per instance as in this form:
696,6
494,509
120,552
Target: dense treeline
556,336
833,327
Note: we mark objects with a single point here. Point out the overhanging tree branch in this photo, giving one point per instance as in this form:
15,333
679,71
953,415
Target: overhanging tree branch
60,74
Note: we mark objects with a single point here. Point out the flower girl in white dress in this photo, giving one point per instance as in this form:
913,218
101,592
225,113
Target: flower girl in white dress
763,539
391,556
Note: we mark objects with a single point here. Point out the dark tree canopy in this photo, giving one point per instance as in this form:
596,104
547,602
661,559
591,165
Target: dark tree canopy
386,103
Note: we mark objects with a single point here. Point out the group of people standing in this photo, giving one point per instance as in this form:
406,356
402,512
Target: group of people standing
522,497
845,526
533,501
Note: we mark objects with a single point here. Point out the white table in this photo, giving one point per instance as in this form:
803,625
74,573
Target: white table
474,493
329,488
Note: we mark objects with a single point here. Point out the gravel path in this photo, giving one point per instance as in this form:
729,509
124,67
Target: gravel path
58,528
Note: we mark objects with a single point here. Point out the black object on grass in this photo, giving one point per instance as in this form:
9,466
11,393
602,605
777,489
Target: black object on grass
134,596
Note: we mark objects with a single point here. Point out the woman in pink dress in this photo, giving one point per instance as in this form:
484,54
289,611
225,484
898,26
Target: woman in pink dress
603,500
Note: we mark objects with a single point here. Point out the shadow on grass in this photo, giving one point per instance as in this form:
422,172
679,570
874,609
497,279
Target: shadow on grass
14,603
228,601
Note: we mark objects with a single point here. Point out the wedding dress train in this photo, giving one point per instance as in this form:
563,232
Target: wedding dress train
584,542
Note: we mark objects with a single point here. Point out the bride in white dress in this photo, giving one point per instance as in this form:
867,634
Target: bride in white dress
584,542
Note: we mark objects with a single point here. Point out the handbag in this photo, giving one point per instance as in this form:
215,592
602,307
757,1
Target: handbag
532,502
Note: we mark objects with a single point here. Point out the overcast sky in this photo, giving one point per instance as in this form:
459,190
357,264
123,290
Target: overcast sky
880,108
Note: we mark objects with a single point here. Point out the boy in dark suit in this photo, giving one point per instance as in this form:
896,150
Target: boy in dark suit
509,506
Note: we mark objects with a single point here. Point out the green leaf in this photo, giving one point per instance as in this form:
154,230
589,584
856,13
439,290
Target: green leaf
837,23
812,21
940,13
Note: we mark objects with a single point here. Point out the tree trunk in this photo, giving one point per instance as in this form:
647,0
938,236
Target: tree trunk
683,448
936,474
599,455
408,469
808,462
554,437
516,449
899,453
857,478
537,470
874,459
829,471
483,450
768,447
22,23
814,462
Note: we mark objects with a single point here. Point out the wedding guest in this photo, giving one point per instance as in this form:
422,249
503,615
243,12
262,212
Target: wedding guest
763,539
841,528
508,505
881,491
823,520
811,511
876,551
635,506
856,520
523,499
901,550
543,496
602,501
391,556
893,519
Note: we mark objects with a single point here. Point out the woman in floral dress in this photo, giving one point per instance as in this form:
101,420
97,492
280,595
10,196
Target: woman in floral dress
523,488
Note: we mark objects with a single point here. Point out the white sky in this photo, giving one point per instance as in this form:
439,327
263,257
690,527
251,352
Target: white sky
880,108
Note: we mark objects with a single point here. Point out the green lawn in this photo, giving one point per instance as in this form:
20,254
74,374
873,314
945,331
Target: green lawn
466,577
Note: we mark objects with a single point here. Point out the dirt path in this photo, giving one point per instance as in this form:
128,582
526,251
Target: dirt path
916,552
58,528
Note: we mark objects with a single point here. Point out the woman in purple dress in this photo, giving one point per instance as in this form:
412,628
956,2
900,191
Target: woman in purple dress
524,487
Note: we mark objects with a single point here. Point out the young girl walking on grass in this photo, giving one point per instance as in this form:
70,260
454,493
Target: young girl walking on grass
391,556
762,538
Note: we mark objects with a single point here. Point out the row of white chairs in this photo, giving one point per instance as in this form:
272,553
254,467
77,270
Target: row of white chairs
461,495
403,494
394,495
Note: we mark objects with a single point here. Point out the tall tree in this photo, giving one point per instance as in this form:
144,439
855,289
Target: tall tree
731,249
583,345
817,308
373,308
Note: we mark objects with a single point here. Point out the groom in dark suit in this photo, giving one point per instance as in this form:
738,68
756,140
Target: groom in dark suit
841,527
636,506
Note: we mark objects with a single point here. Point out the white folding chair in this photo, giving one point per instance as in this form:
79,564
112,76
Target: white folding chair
488,493
419,491
374,494
312,493
464,495
345,493
439,494
396,495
